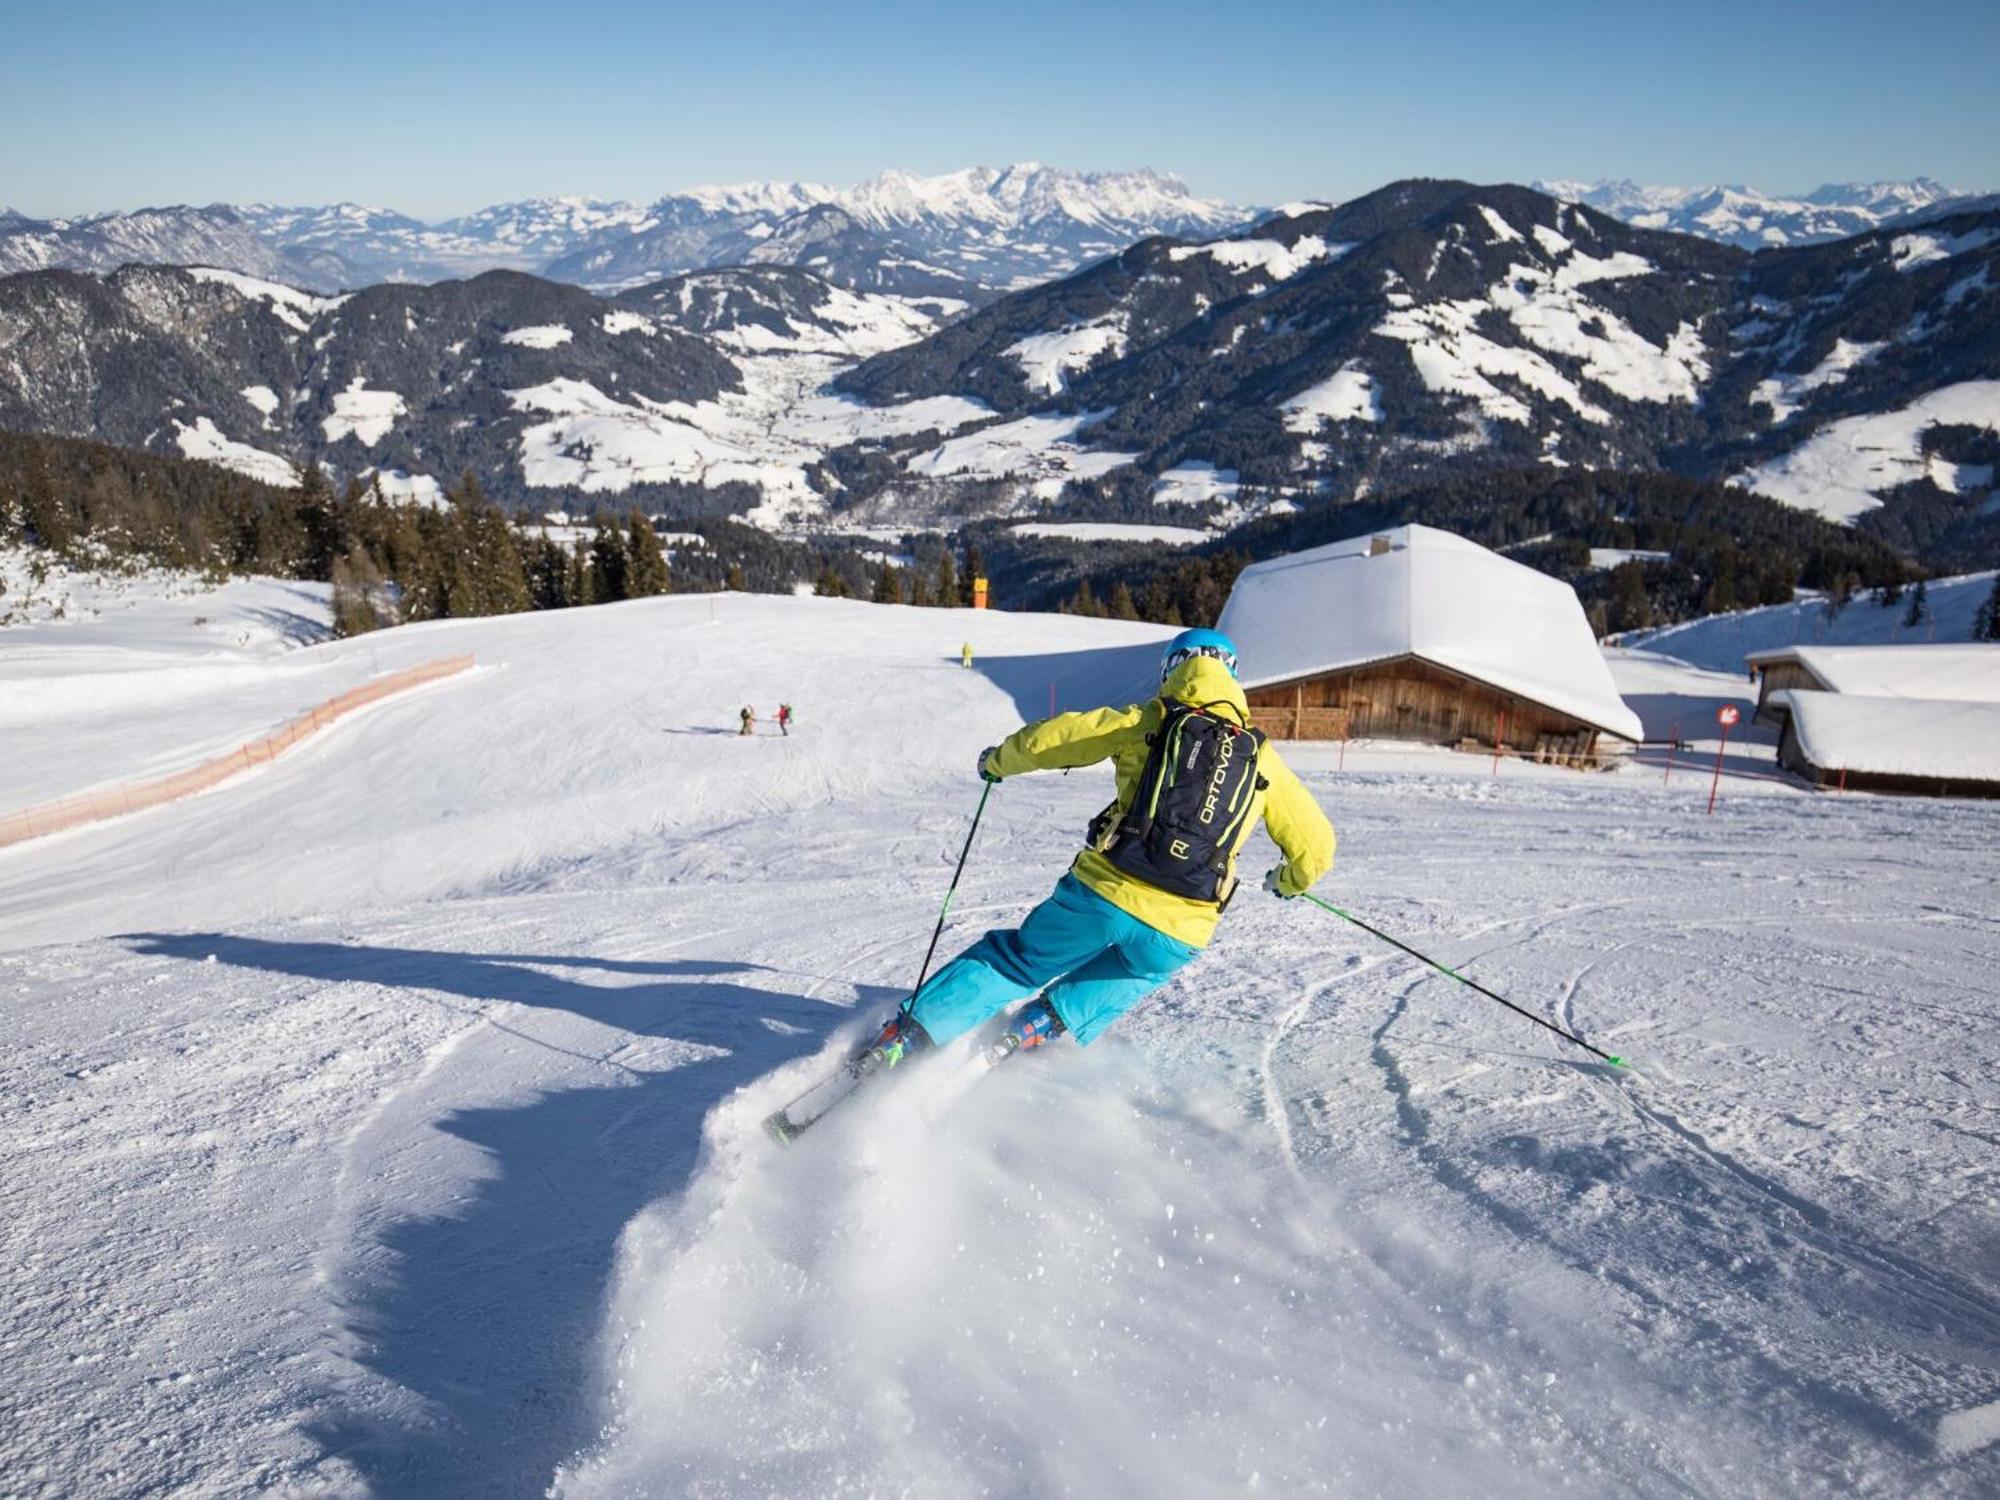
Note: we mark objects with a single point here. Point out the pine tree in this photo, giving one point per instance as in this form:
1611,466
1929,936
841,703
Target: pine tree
920,591
647,563
1920,605
947,580
889,585
832,583
1122,607
609,563
548,570
46,512
733,579
357,592
1986,625
975,567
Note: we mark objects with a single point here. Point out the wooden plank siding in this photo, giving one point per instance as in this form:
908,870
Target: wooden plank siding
1412,699
1776,677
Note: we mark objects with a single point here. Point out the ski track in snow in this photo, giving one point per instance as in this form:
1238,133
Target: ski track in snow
387,1121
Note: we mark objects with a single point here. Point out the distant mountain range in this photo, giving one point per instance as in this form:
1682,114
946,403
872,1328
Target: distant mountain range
965,234
1328,354
1754,220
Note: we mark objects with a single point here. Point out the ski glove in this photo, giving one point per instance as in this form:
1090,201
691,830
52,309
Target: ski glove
1274,882
984,756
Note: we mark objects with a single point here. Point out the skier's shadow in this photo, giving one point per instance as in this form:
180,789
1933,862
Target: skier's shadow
488,1313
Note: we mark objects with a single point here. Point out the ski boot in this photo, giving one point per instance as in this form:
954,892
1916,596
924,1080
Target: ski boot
899,1038
1033,1025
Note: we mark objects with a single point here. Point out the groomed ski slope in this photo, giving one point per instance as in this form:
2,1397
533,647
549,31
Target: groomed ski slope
386,1121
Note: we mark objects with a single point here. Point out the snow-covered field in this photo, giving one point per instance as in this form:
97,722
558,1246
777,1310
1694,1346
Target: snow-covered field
385,1121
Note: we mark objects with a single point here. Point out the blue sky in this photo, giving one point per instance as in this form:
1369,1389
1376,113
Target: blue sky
440,108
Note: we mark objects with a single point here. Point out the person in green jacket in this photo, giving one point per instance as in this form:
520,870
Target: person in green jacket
1127,917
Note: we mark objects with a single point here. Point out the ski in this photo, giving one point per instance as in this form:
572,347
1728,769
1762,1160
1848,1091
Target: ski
786,1125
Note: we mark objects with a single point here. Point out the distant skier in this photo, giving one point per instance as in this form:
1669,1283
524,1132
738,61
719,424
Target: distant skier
748,719
785,720
1144,898
965,656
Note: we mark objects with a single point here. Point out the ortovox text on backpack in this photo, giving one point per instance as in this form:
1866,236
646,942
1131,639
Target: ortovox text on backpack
1188,809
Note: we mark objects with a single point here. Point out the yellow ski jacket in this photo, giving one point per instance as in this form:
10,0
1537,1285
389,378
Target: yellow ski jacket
1119,735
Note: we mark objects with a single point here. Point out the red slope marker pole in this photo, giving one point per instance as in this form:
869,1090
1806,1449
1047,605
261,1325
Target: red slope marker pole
1725,716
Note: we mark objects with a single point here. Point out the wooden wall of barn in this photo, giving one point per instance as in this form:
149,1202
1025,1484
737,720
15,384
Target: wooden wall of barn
1411,699
1778,676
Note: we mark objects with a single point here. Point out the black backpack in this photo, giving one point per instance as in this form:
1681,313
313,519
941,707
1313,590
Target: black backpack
1198,786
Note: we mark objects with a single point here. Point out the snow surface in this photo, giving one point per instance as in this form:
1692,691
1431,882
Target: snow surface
1896,735
1911,251
262,397
1046,359
1114,531
292,307
385,1121
204,440
1433,595
1722,642
1785,393
401,484
1271,258
362,414
1347,395
1611,557
1841,471
1196,484
548,335
1043,442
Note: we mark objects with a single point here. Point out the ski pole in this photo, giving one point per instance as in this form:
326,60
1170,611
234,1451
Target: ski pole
1568,1036
952,890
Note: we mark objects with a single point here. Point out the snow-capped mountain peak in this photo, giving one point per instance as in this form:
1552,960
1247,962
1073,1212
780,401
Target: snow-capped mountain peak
1737,214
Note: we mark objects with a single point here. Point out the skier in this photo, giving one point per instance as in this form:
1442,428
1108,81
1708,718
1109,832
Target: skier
1144,898
748,719
965,655
785,720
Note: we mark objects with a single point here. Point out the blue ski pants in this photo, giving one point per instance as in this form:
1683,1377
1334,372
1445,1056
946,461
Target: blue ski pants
1092,960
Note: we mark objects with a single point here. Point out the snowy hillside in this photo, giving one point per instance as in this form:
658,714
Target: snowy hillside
385,1120
1720,642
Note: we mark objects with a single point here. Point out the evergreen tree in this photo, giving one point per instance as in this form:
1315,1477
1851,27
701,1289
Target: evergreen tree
581,586
975,567
832,583
1630,608
1986,625
1122,606
733,579
889,585
646,562
358,592
947,580
548,571
920,591
609,564
47,513
1920,605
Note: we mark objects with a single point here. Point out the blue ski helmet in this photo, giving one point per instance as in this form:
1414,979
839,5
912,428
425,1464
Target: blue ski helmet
1191,643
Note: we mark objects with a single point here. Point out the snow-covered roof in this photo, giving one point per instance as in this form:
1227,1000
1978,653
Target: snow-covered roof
1967,673
1896,736
1431,595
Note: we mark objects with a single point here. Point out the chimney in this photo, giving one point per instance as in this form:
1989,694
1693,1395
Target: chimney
1378,546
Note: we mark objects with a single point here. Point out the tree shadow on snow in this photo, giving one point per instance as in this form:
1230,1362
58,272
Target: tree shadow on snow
1080,679
488,1313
